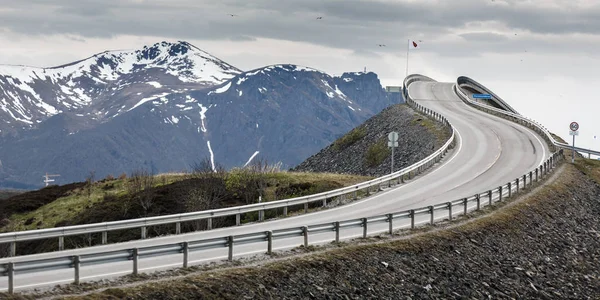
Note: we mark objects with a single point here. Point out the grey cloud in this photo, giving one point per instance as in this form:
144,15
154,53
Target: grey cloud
358,25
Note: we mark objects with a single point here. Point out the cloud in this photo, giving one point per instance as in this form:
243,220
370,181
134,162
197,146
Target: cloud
356,25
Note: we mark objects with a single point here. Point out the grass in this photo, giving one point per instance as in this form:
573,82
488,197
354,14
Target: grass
77,201
350,138
590,167
441,134
377,153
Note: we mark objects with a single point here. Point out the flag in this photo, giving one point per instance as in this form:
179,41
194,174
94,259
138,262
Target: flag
414,44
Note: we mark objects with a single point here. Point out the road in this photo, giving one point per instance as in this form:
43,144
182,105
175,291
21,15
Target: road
490,151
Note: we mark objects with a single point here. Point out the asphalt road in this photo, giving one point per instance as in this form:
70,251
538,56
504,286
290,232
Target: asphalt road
490,151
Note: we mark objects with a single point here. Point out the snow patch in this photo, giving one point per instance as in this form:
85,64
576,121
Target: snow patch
154,84
350,107
144,100
174,119
203,111
348,79
221,90
240,93
212,157
252,157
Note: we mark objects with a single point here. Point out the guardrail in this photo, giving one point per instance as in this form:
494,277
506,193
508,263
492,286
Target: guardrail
463,80
543,131
411,219
104,228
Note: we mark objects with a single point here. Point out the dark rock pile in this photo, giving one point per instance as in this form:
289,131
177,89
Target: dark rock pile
416,141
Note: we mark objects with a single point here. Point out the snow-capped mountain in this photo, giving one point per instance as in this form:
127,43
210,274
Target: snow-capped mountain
29,95
167,106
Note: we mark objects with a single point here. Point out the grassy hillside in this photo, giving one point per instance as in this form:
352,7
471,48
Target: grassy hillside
145,196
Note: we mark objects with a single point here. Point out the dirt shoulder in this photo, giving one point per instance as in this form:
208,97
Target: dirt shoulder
543,246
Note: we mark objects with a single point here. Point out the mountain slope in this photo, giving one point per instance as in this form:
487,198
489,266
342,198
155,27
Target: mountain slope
149,118
103,85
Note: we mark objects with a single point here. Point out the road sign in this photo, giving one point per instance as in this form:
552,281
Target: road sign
393,136
392,144
573,132
482,96
574,126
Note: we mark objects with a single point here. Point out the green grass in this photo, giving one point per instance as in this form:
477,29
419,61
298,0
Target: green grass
77,202
377,153
441,134
350,138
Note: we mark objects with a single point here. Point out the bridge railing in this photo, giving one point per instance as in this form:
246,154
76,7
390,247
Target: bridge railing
543,131
367,187
407,219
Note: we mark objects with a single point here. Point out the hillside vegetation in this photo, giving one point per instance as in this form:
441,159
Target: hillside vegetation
364,150
544,245
144,195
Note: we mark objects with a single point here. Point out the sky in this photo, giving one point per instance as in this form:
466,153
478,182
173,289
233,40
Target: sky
541,56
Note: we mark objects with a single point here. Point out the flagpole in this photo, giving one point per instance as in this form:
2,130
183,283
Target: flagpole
407,49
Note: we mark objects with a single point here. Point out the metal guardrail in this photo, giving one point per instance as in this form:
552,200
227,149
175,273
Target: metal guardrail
61,232
486,198
453,208
543,131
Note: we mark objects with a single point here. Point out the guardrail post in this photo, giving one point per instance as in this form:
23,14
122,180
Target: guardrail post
500,194
431,215
368,191
269,242
178,228
402,178
11,278
136,259
61,243
261,215
490,197
324,202
449,204
285,211
306,207
390,220
412,219
185,248
364,225
305,233
478,199
209,223
337,232
509,189
230,244
524,181
355,196
143,232
77,267
238,220
465,203
104,237
13,249
518,183
530,177
536,174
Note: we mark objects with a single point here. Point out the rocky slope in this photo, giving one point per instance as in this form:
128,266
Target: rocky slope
544,247
365,150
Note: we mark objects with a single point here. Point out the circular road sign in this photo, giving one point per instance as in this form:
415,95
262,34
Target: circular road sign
393,136
574,126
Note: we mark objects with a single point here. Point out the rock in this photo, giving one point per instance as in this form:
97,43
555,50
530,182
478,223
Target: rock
385,264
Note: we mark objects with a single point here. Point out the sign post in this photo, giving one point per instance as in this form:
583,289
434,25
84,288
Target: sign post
393,143
482,96
574,127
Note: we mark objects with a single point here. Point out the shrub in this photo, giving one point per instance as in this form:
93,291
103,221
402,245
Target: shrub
350,138
376,154
123,176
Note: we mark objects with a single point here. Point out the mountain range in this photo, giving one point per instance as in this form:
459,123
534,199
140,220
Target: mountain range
166,106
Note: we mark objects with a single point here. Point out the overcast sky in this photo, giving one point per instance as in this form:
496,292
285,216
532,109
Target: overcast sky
542,56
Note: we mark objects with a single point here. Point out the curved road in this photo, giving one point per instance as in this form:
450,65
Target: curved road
490,151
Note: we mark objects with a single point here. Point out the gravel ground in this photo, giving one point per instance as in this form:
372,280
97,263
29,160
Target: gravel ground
419,136
545,245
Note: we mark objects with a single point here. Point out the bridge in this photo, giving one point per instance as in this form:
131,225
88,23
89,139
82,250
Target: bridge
493,153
